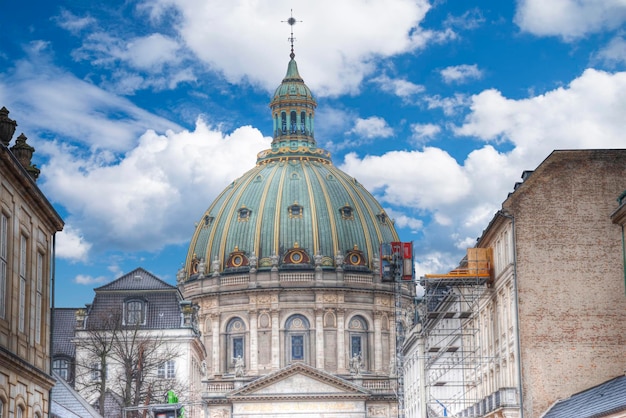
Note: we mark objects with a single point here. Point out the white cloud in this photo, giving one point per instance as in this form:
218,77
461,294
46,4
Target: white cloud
393,176
461,73
372,127
421,132
71,244
336,58
569,19
148,199
399,87
70,22
449,105
89,280
82,113
614,53
588,113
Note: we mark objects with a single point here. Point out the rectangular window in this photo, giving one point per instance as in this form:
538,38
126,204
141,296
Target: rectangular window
355,345
297,347
134,313
95,371
22,296
39,298
238,347
4,238
167,370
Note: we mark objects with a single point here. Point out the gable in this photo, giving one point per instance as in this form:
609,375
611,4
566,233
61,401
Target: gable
298,383
300,380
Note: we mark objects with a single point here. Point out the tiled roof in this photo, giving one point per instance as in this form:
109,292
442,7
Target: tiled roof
63,332
67,403
598,401
138,279
162,301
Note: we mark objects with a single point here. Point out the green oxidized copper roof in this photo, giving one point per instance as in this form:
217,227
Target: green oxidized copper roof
294,172
293,85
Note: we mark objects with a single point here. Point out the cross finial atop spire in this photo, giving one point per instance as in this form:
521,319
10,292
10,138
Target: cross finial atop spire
291,21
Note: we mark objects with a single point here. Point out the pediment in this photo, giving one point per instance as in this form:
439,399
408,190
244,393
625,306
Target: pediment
300,381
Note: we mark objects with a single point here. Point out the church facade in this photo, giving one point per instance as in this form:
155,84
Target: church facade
284,266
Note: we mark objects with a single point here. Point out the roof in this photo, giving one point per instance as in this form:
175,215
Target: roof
63,332
138,279
67,403
598,401
162,301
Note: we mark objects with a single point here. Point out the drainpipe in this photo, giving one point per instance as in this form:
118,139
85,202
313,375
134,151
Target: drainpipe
51,333
516,310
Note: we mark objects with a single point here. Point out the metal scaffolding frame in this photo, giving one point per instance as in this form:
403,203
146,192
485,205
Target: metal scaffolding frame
448,315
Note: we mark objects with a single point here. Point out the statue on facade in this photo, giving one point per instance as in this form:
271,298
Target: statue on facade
339,261
201,268
215,267
356,365
318,261
253,262
239,366
274,259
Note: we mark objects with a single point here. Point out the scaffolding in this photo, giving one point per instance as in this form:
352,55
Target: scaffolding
450,333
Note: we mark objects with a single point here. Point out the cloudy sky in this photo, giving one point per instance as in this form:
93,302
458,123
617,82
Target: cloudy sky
143,111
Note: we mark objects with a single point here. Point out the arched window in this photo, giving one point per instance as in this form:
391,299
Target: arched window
297,339
294,122
357,330
302,122
236,339
2,408
19,412
283,122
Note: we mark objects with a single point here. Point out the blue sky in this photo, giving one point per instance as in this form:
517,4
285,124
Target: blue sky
141,112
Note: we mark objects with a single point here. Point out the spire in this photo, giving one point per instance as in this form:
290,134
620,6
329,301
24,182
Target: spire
292,21
293,114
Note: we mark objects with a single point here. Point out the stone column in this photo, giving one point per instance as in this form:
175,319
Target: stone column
341,344
319,338
217,355
254,343
378,342
275,340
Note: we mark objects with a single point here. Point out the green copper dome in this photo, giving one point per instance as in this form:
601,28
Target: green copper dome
295,209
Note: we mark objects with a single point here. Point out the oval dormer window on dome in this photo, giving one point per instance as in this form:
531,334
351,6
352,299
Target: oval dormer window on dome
346,212
243,214
295,211
382,218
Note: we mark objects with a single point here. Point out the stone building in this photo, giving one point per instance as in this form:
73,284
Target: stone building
284,266
548,323
28,224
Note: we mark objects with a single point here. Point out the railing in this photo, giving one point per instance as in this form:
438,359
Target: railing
234,280
358,278
380,386
297,277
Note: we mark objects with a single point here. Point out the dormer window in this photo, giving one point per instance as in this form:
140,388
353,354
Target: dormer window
244,214
295,211
382,218
135,312
208,220
346,212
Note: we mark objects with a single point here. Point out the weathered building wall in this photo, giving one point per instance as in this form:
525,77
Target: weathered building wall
570,275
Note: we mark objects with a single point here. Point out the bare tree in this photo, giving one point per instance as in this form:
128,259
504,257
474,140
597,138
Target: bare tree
132,362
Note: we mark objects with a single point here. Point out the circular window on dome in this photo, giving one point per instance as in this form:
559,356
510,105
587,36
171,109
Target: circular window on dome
355,259
296,255
237,261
